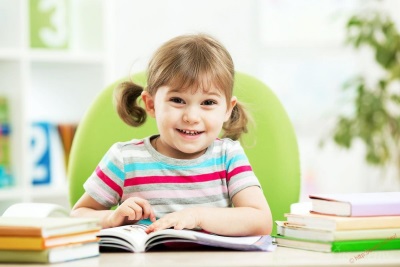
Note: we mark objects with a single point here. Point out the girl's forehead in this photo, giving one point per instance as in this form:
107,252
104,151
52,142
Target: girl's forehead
195,89
193,86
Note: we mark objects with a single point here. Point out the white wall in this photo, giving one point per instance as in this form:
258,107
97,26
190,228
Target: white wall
296,47
143,25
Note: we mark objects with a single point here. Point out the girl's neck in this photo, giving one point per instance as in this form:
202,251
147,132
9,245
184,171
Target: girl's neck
173,153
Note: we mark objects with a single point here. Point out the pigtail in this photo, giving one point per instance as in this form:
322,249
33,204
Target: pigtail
126,97
237,123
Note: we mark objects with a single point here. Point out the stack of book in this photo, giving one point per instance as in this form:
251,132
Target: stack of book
48,240
344,222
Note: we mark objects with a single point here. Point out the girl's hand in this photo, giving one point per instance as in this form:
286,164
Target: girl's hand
178,220
130,211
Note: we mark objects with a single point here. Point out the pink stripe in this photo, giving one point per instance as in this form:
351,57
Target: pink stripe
238,170
139,143
102,193
175,179
108,181
179,193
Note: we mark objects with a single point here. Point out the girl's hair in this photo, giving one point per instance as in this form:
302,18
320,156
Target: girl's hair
187,61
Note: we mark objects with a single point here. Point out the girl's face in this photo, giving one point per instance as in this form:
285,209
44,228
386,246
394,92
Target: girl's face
188,120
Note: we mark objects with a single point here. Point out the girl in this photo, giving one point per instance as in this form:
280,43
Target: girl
185,176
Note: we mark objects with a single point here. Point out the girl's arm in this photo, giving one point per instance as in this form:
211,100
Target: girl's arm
129,212
251,215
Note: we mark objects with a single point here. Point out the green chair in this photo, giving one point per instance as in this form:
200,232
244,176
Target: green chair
270,145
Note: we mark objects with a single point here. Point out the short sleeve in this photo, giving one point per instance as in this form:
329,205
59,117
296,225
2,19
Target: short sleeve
105,184
240,174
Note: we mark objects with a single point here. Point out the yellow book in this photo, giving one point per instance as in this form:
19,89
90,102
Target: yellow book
331,222
40,243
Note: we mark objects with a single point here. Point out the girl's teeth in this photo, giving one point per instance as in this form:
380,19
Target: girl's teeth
189,132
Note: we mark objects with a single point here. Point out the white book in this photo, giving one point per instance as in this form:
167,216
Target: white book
134,238
357,204
313,234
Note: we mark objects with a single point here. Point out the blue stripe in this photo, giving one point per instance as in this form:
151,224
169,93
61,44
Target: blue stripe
235,159
137,166
112,167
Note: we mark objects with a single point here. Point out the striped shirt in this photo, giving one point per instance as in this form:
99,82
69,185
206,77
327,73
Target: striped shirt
136,169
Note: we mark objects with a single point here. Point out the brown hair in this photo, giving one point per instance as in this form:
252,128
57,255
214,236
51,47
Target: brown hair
185,61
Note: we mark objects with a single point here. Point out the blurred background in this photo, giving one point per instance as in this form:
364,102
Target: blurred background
57,55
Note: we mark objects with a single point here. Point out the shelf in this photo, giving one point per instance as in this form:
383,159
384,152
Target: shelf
38,192
10,54
35,192
10,193
46,56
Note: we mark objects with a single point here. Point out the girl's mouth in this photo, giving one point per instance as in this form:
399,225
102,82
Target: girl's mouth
189,132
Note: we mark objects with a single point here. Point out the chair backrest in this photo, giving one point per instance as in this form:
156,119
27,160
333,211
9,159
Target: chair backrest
270,145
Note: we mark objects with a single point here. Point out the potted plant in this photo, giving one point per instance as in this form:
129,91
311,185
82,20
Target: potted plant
375,119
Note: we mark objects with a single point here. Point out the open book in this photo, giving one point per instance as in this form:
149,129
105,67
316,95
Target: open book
134,238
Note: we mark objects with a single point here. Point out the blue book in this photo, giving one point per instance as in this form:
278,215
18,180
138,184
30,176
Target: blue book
47,154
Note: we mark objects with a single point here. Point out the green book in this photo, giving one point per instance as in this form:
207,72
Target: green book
53,255
390,243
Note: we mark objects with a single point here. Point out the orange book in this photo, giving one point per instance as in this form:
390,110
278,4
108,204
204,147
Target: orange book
46,227
40,243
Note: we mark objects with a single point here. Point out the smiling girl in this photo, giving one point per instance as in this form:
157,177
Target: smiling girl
185,176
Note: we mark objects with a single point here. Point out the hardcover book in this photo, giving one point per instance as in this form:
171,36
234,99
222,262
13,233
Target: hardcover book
389,243
41,243
301,232
357,204
45,227
328,222
52,255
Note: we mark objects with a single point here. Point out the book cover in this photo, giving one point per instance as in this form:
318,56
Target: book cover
301,232
133,238
46,227
48,163
41,243
357,204
53,255
330,222
392,242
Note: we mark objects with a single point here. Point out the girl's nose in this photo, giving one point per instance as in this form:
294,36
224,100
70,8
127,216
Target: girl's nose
191,115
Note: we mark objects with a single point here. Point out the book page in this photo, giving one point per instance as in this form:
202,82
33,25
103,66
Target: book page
128,237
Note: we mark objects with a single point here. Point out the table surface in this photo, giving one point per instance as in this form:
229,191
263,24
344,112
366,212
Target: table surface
280,257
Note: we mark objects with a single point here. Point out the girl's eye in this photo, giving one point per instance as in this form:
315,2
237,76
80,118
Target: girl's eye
209,102
177,100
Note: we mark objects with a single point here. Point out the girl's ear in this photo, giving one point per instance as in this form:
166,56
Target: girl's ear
231,105
148,101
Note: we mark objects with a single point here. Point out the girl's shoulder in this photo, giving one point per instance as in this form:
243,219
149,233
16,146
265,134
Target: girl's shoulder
134,144
226,145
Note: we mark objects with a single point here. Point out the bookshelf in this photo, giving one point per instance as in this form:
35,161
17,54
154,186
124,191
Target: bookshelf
51,84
